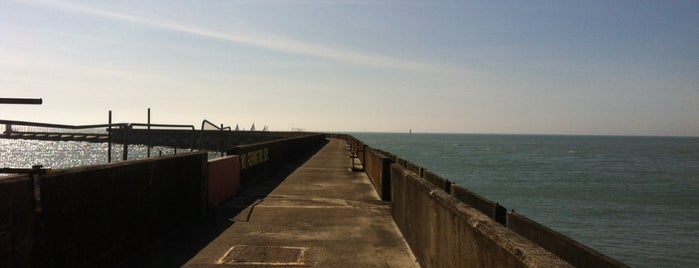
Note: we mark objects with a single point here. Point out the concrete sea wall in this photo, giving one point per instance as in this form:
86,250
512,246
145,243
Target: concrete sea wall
16,221
447,225
572,251
100,215
443,232
378,168
258,159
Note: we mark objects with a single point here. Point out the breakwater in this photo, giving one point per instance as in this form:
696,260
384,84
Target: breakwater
131,204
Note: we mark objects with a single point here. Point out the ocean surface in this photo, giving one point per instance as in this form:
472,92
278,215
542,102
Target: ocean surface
635,199
64,154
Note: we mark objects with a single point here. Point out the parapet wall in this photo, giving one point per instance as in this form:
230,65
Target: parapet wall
97,215
259,159
102,214
377,166
216,140
572,251
16,221
415,198
443,232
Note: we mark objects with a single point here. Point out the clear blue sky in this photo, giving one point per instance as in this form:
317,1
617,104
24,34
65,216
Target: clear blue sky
546,67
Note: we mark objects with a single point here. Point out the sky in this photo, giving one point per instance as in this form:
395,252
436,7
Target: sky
527,67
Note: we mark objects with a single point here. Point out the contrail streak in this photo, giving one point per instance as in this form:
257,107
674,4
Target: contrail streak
268,42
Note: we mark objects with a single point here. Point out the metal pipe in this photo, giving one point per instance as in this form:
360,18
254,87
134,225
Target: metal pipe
9,170
36,124
162,126
46,125
20,101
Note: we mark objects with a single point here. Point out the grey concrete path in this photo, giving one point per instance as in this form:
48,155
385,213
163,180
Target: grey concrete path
318,214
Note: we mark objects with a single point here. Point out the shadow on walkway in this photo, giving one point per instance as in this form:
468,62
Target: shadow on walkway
183,243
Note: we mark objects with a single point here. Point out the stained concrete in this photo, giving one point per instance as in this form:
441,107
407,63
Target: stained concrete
323,213
316,214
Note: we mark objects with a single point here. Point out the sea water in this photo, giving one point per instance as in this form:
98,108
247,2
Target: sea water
635,199
64,154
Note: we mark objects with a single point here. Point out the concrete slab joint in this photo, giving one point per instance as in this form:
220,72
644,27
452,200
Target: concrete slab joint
255,255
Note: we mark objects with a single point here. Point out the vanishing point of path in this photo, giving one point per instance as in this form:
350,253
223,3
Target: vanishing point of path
315,214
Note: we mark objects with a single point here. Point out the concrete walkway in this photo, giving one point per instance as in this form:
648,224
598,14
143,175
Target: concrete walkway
318,214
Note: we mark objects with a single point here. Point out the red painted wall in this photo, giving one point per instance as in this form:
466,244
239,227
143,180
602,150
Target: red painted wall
223,179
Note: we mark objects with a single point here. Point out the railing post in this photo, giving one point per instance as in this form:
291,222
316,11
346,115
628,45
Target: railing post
194,139
109,139
201,135
36,171
221,145
125,154
148,136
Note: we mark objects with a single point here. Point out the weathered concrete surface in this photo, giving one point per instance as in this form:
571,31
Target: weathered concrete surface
444,232
17,219
315,213
98,215
321,215
568,249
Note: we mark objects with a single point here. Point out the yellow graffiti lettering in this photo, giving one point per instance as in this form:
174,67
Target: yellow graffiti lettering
254,158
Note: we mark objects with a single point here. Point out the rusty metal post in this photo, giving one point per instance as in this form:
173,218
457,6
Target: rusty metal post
109,139
36,171
125,154
221,146
148,135
194,140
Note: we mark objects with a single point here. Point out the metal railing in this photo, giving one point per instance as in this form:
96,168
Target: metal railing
209,123
216,138
8,127
223,140
100,133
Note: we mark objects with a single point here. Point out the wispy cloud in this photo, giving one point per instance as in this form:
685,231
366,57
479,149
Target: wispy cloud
268,42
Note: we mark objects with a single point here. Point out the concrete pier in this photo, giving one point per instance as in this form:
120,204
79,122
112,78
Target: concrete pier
318,213
309,201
